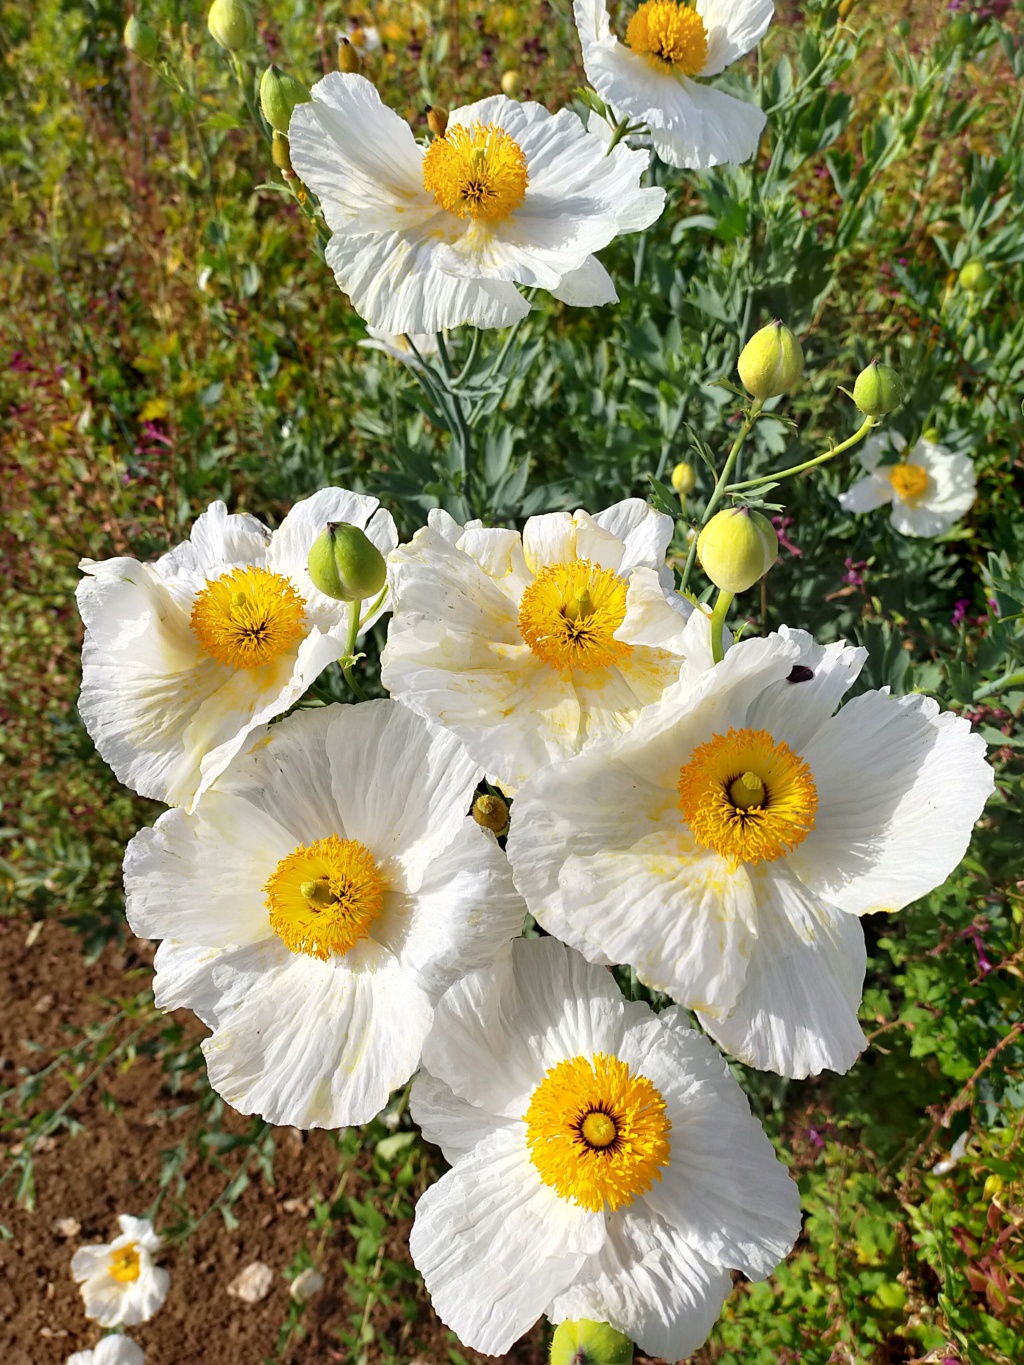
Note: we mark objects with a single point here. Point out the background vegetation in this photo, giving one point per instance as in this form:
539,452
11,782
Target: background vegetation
168,335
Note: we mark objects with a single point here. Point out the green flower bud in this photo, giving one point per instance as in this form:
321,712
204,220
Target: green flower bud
348,58
879,390
736,548
279,94
280,152
771,362
904,28
345,564
437,120
932,435
974,277
231,24
491,812
589,1343
140,39
961,29
684,479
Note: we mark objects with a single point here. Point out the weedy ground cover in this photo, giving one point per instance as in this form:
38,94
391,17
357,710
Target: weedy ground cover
169,334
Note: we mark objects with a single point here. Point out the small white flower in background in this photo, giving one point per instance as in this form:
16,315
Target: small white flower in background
530,647
119,1281
115,1350
326,891
395,345
185,657
655,76
365,38
929,488
727,845
605,1164
430,237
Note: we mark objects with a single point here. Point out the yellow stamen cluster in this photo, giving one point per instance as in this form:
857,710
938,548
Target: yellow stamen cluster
597,1134
747,797
569,615
476,172
125,1264
669,35
248,617
909,481
323,897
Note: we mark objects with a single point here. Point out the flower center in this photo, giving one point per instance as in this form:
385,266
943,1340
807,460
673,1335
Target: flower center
746,797
248,617
125,1264
323,897
477,172
569,615
597,1134
669,35
909,481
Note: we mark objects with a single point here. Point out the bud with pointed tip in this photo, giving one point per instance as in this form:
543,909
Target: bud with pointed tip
771,362
736,548
348,58
684,478
974,277
491,812
231,24
437,120
589,1343
345,564
879,390
279,94
140,39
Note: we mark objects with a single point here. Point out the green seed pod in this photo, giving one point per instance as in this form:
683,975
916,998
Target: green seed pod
736,548
345,564
684,479
231,24
771,362
974,277
491,812
589,1343
279,94
140,39
879,390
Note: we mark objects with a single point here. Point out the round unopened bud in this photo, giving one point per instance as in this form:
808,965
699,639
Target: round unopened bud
961,29
904,28
140,39
280,151
974,277
279,94
306,1285
932,435
771,362
437,120
684,478
348,58
736,548
879,390
231,24
345,564
510,83
589,1343
491,812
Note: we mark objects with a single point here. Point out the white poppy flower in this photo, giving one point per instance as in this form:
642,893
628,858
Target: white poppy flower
113,1350
529,647
655,75
185,657
930,488
427,237
325,892
120,1282
605,1164
727,845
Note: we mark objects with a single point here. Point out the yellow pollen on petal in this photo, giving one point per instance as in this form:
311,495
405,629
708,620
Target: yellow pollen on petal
248,617
323,897
569,615
909,481
747,797
476,172
669,35
125,1264
596,1133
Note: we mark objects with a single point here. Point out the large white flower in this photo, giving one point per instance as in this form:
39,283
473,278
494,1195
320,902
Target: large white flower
325,892
119,1281
431,237
605,1164
185,657
656,74
727,845
113,1350
529,647
930,488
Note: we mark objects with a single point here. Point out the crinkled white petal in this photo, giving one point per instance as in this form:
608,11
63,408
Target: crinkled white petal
112,1350
795,708
219,540
797,1012
875,490
871,451
588,287
734,28
184,980
703,127
448,1121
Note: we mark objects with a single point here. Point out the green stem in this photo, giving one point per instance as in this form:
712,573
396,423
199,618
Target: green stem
374,606
350,649
720,485
1002,684
868,425
722,605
